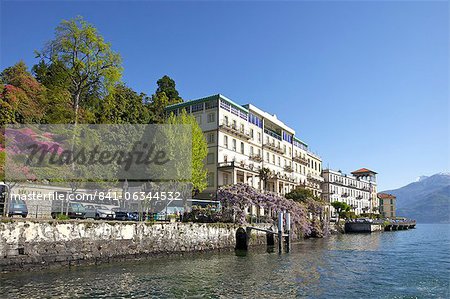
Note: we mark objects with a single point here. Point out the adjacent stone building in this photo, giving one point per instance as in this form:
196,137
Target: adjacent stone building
387,205
356,190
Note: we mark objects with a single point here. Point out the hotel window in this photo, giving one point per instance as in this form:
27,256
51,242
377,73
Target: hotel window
234,124
259,137
242,148
251,150
225,178
210,158
211,104
211,138
234,145
267,157
211,117
290,151
225,120
242,127
251,133
197,107
225,141
198,118
259,152
210,179
284,148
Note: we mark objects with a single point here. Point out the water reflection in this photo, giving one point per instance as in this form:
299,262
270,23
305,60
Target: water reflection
351,266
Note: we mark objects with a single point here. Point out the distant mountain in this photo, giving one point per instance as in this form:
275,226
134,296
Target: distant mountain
427,199
421,178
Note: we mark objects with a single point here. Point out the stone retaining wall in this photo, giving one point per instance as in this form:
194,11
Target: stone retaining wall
37,244
355,227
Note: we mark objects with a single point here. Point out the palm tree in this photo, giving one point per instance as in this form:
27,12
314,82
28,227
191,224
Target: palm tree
264,176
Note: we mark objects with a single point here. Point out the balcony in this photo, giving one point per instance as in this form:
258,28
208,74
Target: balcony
285,177
314,177
300,160
344,195
272,134
273,147
288,168
359,197
241,164
256,158
232,129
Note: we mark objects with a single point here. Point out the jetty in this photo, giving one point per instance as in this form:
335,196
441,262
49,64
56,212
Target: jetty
368,226
400,225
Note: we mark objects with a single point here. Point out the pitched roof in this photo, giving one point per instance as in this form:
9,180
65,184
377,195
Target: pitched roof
363,170
386,196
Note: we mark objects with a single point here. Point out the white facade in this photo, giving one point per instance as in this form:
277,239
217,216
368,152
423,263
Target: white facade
244,139
355,190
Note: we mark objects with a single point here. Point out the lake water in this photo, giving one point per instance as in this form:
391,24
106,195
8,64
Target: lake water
403,264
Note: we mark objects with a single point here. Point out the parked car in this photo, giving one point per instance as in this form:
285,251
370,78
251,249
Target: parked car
18,207
75,210
3,196
364,220
133,216
120,214
99,212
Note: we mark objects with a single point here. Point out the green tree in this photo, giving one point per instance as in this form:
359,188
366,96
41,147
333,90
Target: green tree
165,95
124,106
301,195
83,62
199,149
340,208
168,86
58,106
159,102
264,175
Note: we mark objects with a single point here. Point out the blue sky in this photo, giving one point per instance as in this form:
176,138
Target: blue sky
365,84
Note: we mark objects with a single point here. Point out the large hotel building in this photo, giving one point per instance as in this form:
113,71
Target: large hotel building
242,139
358,190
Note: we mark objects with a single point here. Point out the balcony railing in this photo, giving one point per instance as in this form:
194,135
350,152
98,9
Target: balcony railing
240,164
315,177
300,160
273,147
288,168
231,128
272,134
285,177
256,158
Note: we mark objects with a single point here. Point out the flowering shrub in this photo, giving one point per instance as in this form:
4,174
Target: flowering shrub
202,214
237,198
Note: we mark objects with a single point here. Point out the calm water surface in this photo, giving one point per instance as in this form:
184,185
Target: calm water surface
403,264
